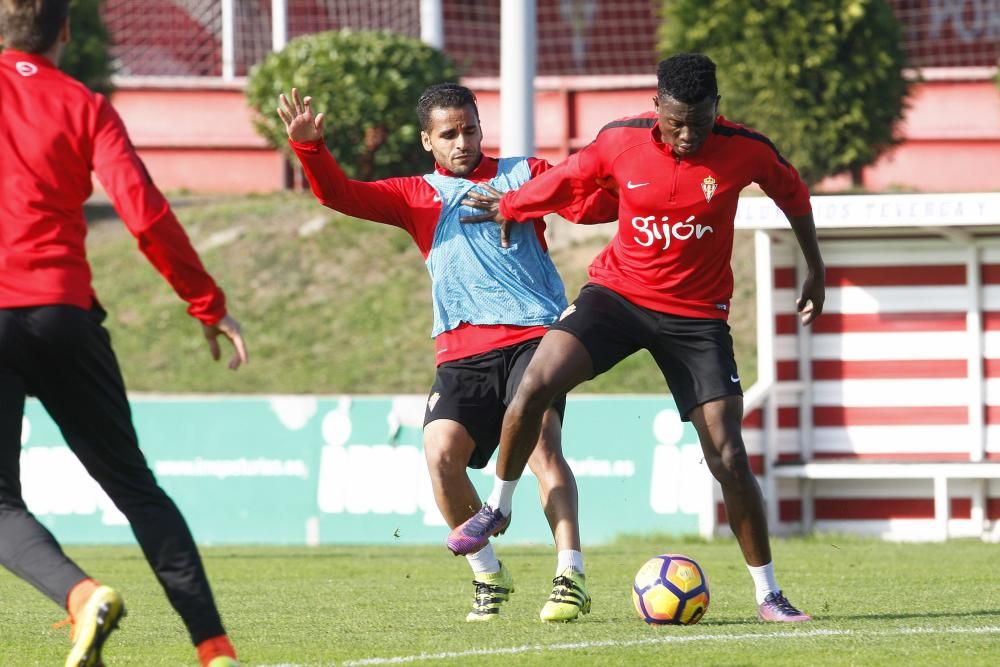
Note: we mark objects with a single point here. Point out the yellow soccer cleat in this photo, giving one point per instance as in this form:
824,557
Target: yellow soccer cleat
100,615
569,597
223,661
492,590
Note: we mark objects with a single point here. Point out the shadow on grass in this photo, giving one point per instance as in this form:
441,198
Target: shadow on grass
97,212
98,209
904,616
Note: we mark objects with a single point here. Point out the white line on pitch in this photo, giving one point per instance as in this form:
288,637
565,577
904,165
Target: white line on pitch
612,643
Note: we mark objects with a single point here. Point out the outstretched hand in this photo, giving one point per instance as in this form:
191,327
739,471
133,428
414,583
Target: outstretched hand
487,201
230,328
297,114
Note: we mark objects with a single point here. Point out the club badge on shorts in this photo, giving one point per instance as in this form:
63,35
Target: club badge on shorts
709,186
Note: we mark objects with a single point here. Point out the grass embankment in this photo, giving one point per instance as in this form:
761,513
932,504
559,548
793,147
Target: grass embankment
329,304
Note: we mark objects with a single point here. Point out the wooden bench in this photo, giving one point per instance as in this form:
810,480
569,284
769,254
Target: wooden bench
940,472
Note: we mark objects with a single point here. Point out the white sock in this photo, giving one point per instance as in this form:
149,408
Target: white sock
569,558
502,496
763,580
484,561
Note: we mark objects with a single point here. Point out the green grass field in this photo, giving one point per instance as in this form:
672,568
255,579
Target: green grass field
875,603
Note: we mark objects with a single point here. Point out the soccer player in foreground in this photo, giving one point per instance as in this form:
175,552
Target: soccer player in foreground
663,284
52,344
493,291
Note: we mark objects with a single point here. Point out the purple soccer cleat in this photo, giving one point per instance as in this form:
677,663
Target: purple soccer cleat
776,607
474,534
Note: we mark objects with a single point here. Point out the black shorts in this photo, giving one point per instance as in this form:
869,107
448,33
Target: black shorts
695,355
475,392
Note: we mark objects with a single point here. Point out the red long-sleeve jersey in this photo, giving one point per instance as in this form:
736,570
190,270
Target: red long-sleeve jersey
675,220
411,203
54,133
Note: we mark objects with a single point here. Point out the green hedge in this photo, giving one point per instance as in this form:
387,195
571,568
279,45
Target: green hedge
367,85
86,57
822,79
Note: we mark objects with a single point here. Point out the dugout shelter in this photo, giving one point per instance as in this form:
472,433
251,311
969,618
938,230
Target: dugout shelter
883,417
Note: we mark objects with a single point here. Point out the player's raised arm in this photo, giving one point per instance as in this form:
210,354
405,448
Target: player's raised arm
379,201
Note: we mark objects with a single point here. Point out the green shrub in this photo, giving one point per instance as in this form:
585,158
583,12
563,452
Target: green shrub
367,85
822,79
86,56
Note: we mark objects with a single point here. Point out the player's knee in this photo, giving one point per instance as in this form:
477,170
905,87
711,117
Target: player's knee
442,459
731,465
735,464
534,396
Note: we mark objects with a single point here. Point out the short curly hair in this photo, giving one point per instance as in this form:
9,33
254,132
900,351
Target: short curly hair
32,26
443,96
687,78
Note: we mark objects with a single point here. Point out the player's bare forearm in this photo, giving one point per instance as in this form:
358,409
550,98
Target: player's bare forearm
813,295
805,233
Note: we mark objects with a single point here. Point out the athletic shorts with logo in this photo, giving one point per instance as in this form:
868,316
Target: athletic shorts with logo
695,355
475,392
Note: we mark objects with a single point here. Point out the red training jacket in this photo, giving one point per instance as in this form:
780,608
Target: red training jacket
675,218
54,133
413,204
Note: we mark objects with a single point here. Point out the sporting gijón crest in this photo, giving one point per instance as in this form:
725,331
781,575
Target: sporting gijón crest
709,186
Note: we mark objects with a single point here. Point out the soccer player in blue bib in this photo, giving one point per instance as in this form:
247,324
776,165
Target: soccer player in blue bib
494,291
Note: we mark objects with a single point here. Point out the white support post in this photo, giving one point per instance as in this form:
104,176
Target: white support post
517,77
279,24
977,513
432,23
766,370
804,334
228,40
974,328
942,507
807,491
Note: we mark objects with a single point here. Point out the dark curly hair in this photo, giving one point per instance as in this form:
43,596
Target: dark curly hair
443,96
32,26
687,78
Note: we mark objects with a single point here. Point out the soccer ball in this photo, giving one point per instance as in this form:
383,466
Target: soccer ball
670,590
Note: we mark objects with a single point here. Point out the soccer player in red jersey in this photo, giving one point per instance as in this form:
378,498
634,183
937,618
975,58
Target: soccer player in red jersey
493,291
663,284
54,133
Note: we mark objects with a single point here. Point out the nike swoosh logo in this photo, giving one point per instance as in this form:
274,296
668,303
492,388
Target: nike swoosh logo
734,378
632,186
437,198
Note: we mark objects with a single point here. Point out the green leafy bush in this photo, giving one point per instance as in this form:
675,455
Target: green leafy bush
367,85
823,80
86,56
